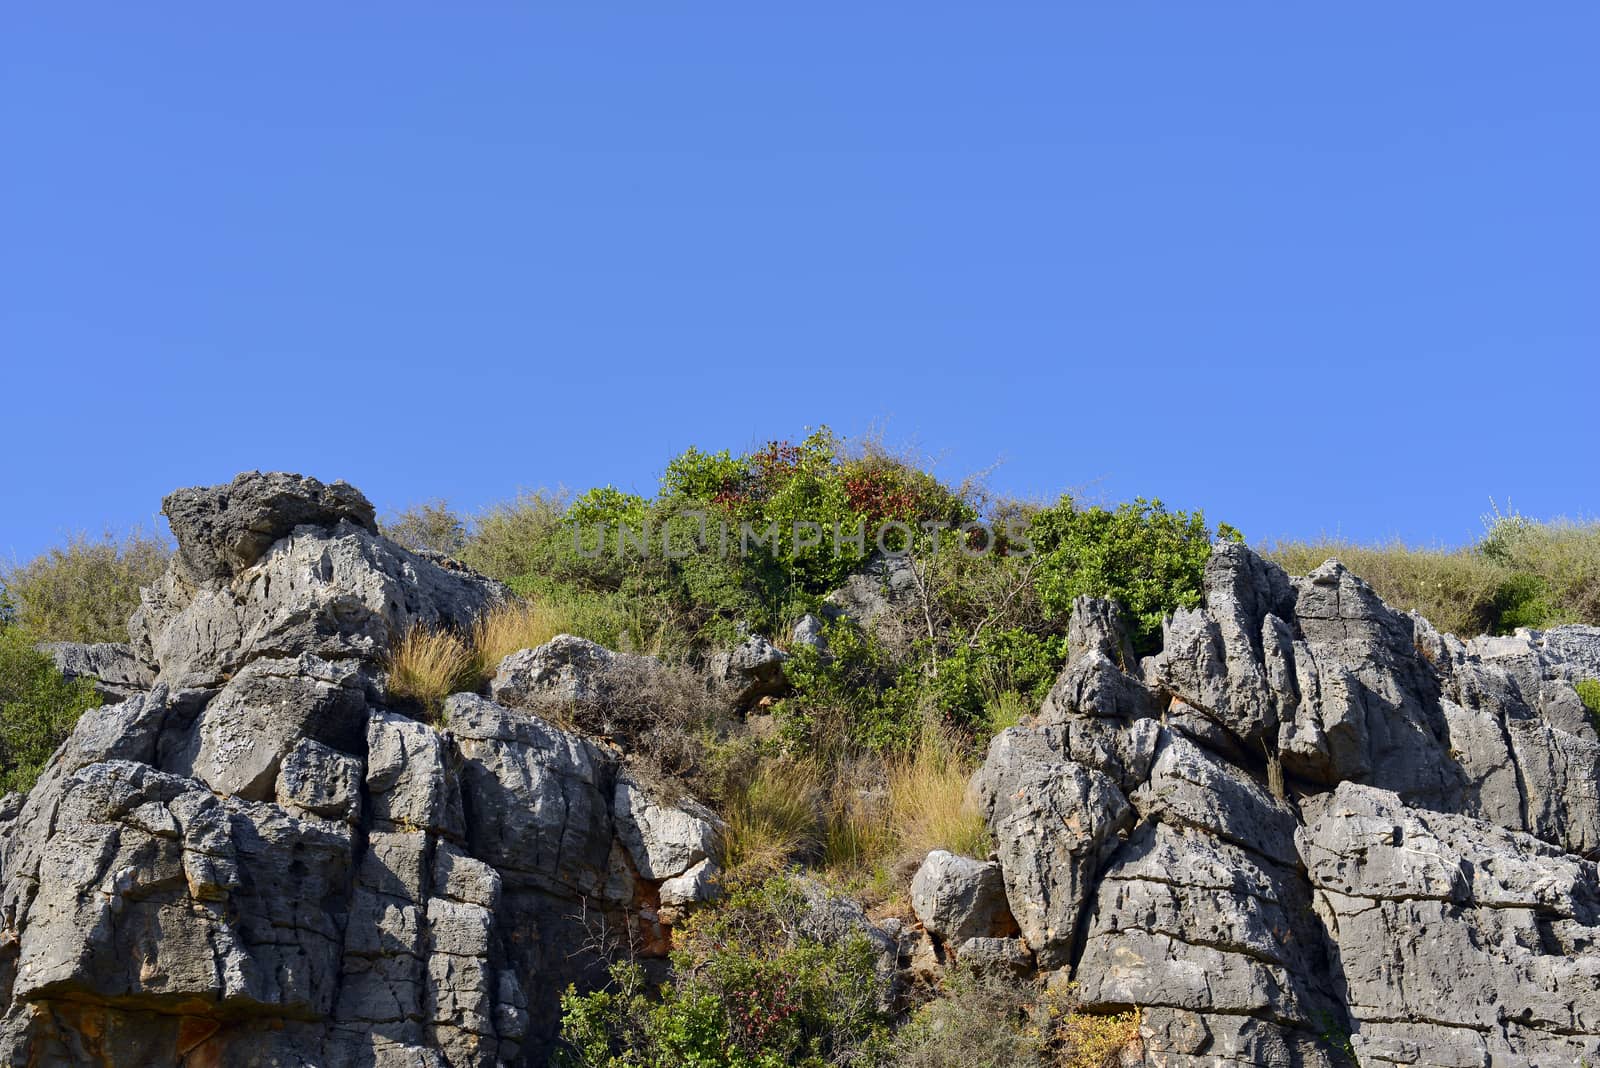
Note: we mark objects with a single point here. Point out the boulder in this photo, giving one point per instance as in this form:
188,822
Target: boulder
749,671
565,671
698,885
663,841
1054,822
958,898
222,530
875,596
239,740
809,632
1004,958
330,588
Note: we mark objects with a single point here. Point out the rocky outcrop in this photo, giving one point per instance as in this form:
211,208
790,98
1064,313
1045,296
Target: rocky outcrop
1312,826
1308,827
958,898
277,566
252,860
749,671
116,672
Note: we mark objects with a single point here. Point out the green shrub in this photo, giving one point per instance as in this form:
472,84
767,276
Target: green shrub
856,698
1558,565
1589,694
974,676
1001,1023
86,590
430,525
746,992
1149,559
38,708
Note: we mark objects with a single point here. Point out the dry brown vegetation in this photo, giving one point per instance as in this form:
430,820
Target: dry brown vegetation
429,664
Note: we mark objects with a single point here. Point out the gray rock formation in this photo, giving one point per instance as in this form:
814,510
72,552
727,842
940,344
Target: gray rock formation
278,565
252,861
1309,824
116,672
566,670
1312,825
749,671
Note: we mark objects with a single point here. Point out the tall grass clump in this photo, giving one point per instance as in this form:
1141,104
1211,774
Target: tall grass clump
929,804
506,628
773,817
429,664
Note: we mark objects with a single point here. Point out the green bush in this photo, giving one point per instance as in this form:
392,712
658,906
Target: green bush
1556,569
976,675
430,525
746,992
86,590
1149,559
1589,694
38,708
716,582
857,697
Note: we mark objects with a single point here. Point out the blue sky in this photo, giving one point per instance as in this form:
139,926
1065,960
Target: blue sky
1323,268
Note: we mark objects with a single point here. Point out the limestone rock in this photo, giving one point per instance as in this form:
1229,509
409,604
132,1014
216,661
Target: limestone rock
958,898
749,671
566,670
116,672
320,781
238,742
664,840
1460,942
222,530
696,886
1053,822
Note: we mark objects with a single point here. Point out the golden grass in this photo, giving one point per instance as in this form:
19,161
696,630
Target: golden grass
427,665
773,817
515,625
929,807
856,834
857,817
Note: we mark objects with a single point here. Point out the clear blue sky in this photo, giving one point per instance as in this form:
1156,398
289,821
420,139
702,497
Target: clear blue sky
1309,267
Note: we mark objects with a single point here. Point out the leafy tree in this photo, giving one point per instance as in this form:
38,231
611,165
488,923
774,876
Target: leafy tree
86,590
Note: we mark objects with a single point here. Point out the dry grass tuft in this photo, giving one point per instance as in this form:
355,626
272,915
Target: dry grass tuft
929,807
429,664
515,625
774,817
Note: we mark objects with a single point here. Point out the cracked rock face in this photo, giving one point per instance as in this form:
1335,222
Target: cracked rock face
1312,825
252,861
